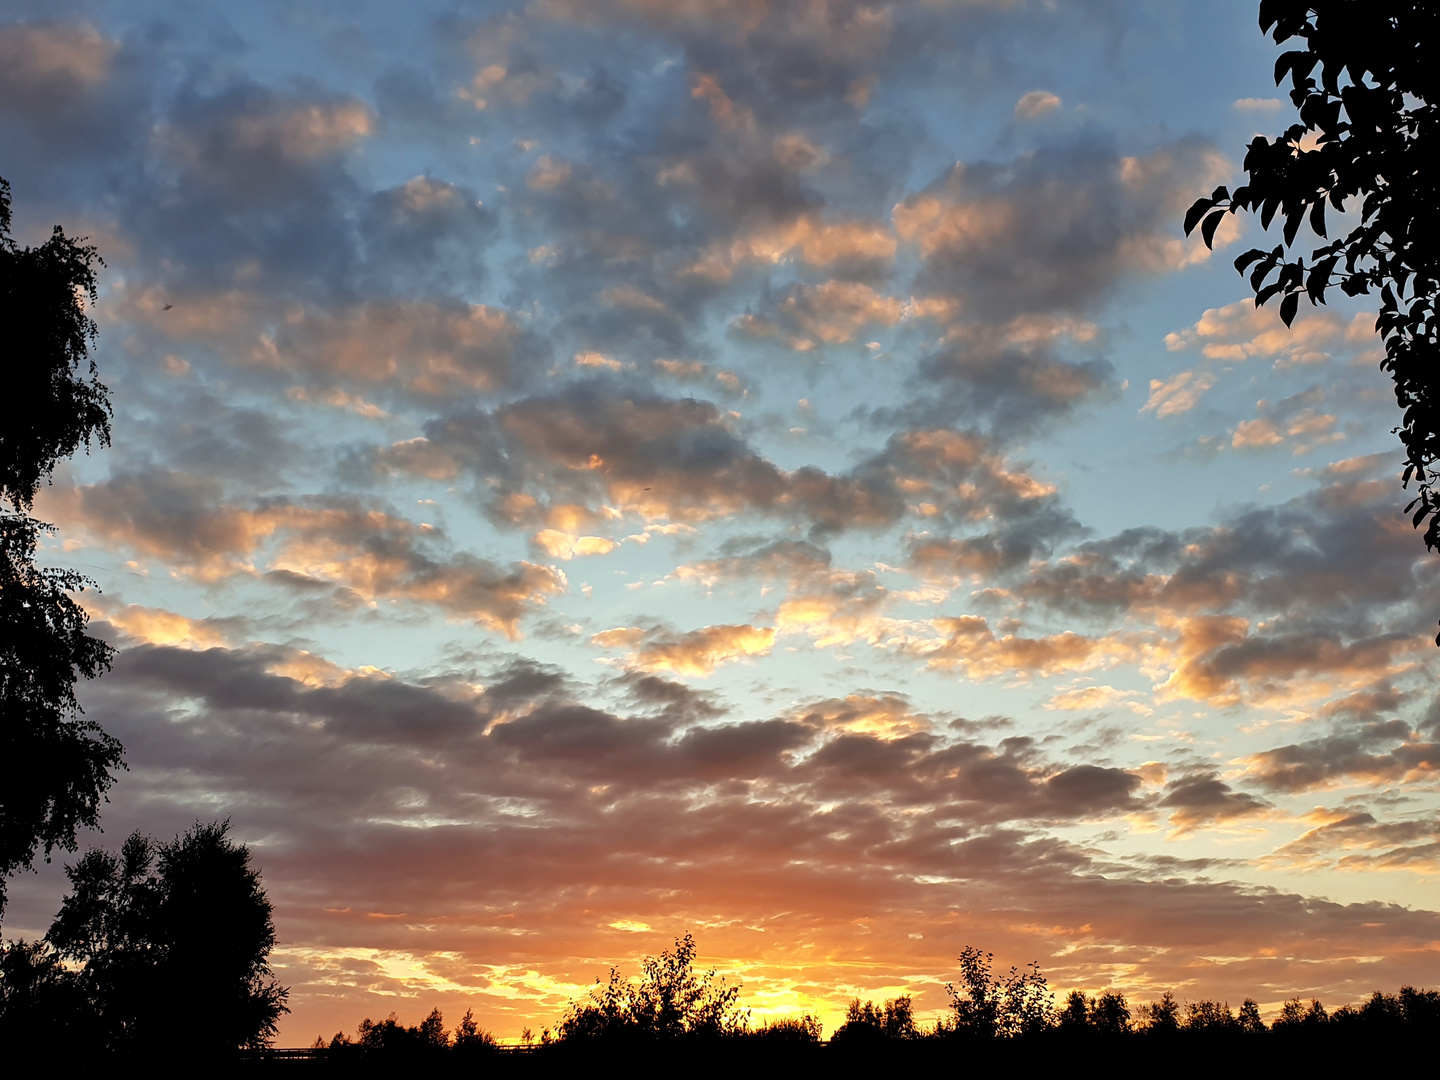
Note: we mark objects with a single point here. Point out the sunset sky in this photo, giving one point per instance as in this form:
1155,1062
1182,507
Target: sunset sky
590,470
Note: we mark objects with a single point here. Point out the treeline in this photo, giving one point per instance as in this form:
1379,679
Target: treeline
676,1014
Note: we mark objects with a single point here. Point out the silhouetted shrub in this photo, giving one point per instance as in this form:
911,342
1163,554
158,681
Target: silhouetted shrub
802,1030
670,1000
865,1021
1161,1017
1248,1019
1296,1016
986,1006
1209,1017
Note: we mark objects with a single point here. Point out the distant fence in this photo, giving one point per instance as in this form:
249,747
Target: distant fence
313,1053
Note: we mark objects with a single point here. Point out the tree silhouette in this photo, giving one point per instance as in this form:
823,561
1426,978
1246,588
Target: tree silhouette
985,1005
670,1000
866,1022
173,942
56,766
1366,131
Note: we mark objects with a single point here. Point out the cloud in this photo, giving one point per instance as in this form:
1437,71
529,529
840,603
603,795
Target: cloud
1215,656
1293,422
365,552
696,653
1088,698
248,141
1178,394
593,445
1375,753
156,626
807,316
1354,840
1242,331
425,348
1204,798
1054,229
968,643
44,68
1035,104
373,792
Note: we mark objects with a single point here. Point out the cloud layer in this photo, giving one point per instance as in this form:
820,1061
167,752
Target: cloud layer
589,472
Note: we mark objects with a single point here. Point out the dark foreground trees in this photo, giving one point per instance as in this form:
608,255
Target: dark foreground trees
993,1020
54,766
159,949
1364,77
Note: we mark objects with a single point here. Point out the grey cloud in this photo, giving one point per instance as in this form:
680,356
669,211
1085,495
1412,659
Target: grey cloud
1203,797
1369,753
593,817
1332,577
606,441
972,779
594,441
354,544
47,68
1052,230
1007,390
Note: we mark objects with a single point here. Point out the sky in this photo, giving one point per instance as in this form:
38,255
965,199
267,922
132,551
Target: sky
588,472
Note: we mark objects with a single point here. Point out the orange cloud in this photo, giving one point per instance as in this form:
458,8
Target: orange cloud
696,653
970,645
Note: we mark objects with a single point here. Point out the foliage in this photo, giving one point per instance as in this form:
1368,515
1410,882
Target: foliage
988,1006
670,1000
1074,1015
389,1040
1109,1014
864,1020
58,766
620,1018
172,942
1294,1015
1208,1015
40,1002
47,411
1161,1017
803,1030
1364,127
1248,1019
1105,1014
470,1036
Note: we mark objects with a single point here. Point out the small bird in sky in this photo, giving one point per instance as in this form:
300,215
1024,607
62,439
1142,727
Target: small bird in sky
167,307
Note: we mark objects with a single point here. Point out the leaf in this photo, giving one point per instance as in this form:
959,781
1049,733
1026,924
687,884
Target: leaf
1292,223
1315,284
1246,259
1195,213
1207,230
1317,218
1288,307
1267,212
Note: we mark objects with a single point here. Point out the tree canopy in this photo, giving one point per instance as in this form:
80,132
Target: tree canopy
671,999
172,944
49,408
1363,77
58,766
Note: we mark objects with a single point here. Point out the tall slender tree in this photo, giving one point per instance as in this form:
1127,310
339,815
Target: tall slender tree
55,766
